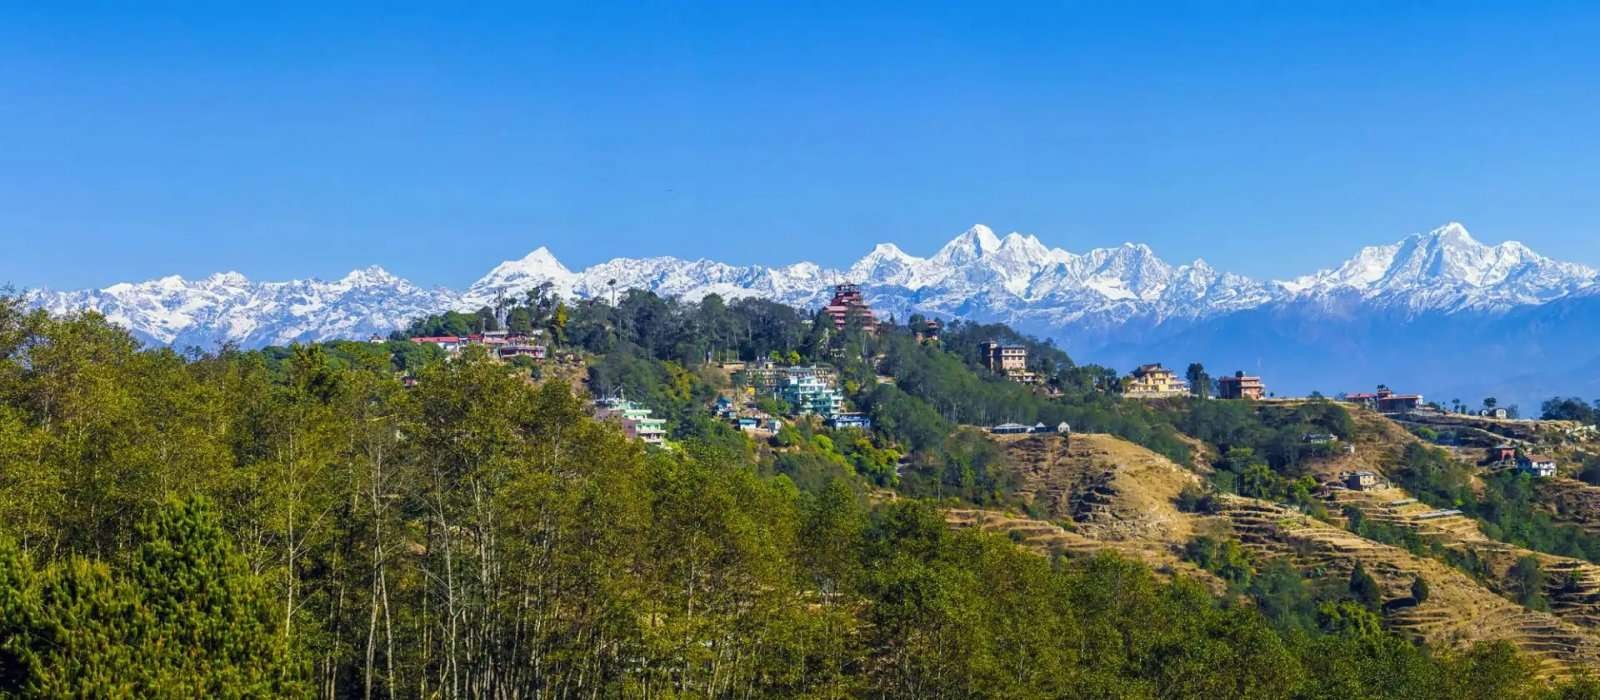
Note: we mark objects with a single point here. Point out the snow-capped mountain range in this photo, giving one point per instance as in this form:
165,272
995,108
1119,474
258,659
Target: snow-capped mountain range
977,275
1436,312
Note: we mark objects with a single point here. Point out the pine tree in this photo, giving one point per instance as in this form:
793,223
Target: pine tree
199,595
1364,588
187,619
1419,590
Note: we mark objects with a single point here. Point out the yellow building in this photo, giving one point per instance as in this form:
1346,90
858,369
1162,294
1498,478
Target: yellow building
1154,382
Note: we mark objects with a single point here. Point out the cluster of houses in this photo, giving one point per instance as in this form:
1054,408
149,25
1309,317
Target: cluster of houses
764,378
1155,381
1385,400
808,389
501,344
1504,456
746,418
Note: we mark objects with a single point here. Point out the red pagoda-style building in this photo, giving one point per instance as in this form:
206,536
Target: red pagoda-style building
847,301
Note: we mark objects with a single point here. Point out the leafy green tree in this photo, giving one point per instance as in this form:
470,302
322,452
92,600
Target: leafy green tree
1490,670
1349,618
1528,582
1224,558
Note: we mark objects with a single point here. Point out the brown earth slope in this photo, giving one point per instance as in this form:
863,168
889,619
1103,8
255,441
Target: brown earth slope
1101,493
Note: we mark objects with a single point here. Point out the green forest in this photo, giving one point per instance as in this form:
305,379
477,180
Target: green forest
371,520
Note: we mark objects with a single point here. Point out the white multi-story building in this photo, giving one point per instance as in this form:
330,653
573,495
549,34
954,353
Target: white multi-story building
810,394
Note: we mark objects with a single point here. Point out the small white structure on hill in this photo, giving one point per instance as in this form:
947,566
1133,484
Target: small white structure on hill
1537,465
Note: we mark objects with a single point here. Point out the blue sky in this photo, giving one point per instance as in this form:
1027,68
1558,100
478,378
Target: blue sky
289,141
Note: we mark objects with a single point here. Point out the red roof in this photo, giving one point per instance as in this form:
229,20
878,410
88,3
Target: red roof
437,339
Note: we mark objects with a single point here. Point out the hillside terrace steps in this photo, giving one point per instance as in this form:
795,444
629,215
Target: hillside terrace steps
1109,488
1572,501
1050,539
1118,497
1459,612
1393,506
1578,603
1563,641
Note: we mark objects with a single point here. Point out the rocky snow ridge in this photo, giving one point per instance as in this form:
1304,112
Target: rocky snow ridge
1446,269
227,308
977,275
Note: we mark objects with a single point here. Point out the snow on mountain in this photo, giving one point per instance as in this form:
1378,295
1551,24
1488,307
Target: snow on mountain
889,266
971,246
512,278
977,275
1446,269
798,284
228,308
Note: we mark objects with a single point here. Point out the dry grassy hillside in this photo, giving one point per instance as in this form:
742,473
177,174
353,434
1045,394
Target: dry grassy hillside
1096,492
1459,611
1109,487
1573,501
1102,493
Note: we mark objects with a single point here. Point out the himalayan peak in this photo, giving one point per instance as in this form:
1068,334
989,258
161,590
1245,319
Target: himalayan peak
976,275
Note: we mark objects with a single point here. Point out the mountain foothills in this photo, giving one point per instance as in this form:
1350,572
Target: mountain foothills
1450,315
745,499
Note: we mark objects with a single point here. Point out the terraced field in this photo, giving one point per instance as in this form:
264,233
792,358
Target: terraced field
1573,501
1052,539
1109,487
1459,610
1114,496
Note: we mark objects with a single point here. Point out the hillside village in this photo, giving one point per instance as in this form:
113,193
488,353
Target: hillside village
1026,443
761,396
1444,526
762,393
